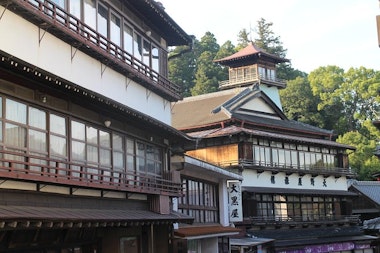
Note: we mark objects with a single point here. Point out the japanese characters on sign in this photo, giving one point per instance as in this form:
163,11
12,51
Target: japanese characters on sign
234,201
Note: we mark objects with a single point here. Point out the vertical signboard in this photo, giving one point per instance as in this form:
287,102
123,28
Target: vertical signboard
235,209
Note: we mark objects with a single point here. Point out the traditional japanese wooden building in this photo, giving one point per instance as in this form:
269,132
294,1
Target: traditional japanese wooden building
85,135
294,187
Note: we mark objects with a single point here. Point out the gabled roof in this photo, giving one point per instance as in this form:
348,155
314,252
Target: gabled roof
370,189
250,51
249,105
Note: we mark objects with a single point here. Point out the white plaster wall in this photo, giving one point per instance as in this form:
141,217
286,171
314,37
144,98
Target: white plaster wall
21,39
254,179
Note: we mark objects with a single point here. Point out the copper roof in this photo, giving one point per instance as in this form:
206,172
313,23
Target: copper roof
53,217
249,51
198,231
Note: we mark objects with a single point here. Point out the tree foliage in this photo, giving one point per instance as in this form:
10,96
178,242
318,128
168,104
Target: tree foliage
299,103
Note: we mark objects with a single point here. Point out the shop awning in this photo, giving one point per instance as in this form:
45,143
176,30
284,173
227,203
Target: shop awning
200,232
12,217
249,241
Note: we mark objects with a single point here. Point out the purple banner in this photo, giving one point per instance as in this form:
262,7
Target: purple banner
343,246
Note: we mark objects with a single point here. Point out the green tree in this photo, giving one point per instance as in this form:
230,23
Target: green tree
181,68
243,39
299,103
208,74
346,98
225,50
362,161
267,40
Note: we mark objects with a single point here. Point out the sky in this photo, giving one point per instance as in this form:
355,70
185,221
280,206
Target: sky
315,32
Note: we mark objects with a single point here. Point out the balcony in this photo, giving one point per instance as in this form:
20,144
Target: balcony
37,169
251,78
288,168
49,17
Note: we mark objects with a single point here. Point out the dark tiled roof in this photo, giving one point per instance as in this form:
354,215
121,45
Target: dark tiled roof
232,130
51,216
205,230
370,189
283,124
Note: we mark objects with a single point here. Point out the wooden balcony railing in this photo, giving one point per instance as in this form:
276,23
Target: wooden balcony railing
241,80
59,22
286,220
291,168
20,166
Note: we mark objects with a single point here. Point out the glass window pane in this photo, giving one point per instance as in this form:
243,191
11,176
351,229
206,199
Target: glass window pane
15,135
78,151
75,8
118,161
140,149
92,154
57,124
37,140
37,118
137,46
1,131
117,142
90,13
155,59
130,146
15,111
77,130
1,107
92,135
102,20
104,139
128,38
115,29
58,146
60,3
105,157
146,53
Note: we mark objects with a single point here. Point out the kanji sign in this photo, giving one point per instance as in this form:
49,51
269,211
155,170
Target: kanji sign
234,201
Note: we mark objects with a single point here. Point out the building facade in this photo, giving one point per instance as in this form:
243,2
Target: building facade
206,193
294,187
85,135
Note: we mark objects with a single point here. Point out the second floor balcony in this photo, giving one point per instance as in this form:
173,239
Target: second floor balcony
42,171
